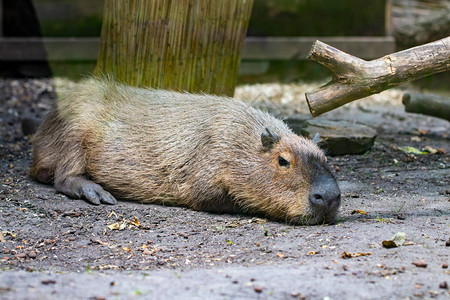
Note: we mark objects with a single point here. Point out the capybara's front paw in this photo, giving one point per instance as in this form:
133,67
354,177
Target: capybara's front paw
80,187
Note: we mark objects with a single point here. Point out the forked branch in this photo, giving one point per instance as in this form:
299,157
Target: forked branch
355,78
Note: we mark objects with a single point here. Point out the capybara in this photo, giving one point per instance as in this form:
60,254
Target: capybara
106,140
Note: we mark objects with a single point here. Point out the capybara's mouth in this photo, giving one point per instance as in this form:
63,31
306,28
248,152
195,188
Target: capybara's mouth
315,219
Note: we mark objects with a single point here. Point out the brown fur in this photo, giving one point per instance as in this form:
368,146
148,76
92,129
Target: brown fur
198,151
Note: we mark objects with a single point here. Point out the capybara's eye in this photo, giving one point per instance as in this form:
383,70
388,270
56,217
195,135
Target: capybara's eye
283,162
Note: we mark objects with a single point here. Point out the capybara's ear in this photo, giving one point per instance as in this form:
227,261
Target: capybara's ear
269,139
316,138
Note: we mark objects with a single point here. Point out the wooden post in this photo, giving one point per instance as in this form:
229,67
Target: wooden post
1,18
191,45
388,18
355,78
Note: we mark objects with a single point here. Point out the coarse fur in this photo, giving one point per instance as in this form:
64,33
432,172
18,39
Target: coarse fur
155,146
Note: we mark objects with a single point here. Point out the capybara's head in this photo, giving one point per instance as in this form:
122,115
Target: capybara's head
291,181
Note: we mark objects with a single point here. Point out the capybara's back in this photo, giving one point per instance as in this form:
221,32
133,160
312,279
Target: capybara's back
211,153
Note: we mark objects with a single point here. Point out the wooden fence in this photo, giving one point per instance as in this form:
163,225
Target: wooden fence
255,48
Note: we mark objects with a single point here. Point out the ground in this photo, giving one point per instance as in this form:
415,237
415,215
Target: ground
55,247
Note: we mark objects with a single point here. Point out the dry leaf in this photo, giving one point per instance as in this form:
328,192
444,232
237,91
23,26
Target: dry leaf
118,226
358,211
257,220
10,233
389,244
108,267
433,150
411,150
135,222
396,241
424,132
113,213
357,254
114,226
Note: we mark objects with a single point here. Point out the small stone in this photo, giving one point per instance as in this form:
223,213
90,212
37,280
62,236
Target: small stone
444,266
443,285
20,255
29,269
32,254
401,216
71,214
258,289
298,296
447,243
420,263
48,281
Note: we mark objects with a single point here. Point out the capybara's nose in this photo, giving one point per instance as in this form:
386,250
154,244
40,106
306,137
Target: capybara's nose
325,199
324,192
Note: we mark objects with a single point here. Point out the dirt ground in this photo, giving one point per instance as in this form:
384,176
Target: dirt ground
54,247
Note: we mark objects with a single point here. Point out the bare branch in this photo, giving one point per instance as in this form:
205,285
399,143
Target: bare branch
355,78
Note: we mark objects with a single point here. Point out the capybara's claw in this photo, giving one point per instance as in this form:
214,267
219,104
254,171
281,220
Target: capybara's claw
107,198
96,195
88,192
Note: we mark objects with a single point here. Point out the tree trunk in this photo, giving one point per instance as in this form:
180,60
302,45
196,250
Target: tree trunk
355,78
191,45
427,104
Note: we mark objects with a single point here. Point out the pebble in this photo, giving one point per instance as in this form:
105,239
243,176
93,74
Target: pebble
443,285
420,263
20,255
444,266
48,281
32,254
258,289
